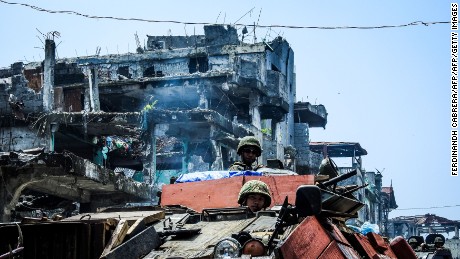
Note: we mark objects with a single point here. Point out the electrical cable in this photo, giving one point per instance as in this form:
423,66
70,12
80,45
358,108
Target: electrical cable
415,23
435,207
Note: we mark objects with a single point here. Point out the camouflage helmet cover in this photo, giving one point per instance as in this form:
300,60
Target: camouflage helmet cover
328,167
412,240
255,187
249,141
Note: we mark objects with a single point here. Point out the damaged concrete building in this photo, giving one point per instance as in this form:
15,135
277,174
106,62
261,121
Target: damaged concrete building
178,105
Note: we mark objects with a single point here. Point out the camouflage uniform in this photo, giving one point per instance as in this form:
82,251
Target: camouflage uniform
255,187
248,141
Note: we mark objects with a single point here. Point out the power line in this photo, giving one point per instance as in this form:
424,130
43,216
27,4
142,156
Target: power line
415,23
436,207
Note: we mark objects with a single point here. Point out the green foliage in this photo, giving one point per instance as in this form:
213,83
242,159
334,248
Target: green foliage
150,106
266,131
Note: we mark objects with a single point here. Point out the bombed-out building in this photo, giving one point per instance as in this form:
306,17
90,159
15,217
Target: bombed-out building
178,105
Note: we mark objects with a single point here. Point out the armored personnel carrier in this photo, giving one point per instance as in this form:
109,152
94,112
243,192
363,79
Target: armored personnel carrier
202,219
305,220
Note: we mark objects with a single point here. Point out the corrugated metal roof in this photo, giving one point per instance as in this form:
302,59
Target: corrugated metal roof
338,149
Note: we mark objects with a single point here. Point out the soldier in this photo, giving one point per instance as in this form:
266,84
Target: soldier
255,194
249,150
413,243
328,167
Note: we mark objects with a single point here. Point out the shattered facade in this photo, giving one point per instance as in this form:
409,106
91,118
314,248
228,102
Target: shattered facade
418,225
179,105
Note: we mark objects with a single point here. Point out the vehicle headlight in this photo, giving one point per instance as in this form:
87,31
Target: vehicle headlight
228,247
254,247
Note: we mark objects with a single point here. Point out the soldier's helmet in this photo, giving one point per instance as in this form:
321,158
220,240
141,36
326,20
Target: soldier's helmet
249,141
255,187
412,240
328,167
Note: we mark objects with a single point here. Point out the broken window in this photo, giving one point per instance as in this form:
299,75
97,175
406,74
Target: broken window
149,72
34,78
159,44
198,64
169,163
124,71
165,144
67,73
62,79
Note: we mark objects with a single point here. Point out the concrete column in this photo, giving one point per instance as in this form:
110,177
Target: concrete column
95,85
58,99
90,91
218,162
185,143
54,126
86,100
92,102
203,103
48,78
87,106
153,159
302,147
254,104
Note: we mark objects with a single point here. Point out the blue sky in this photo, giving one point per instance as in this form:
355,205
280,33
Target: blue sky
388,89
